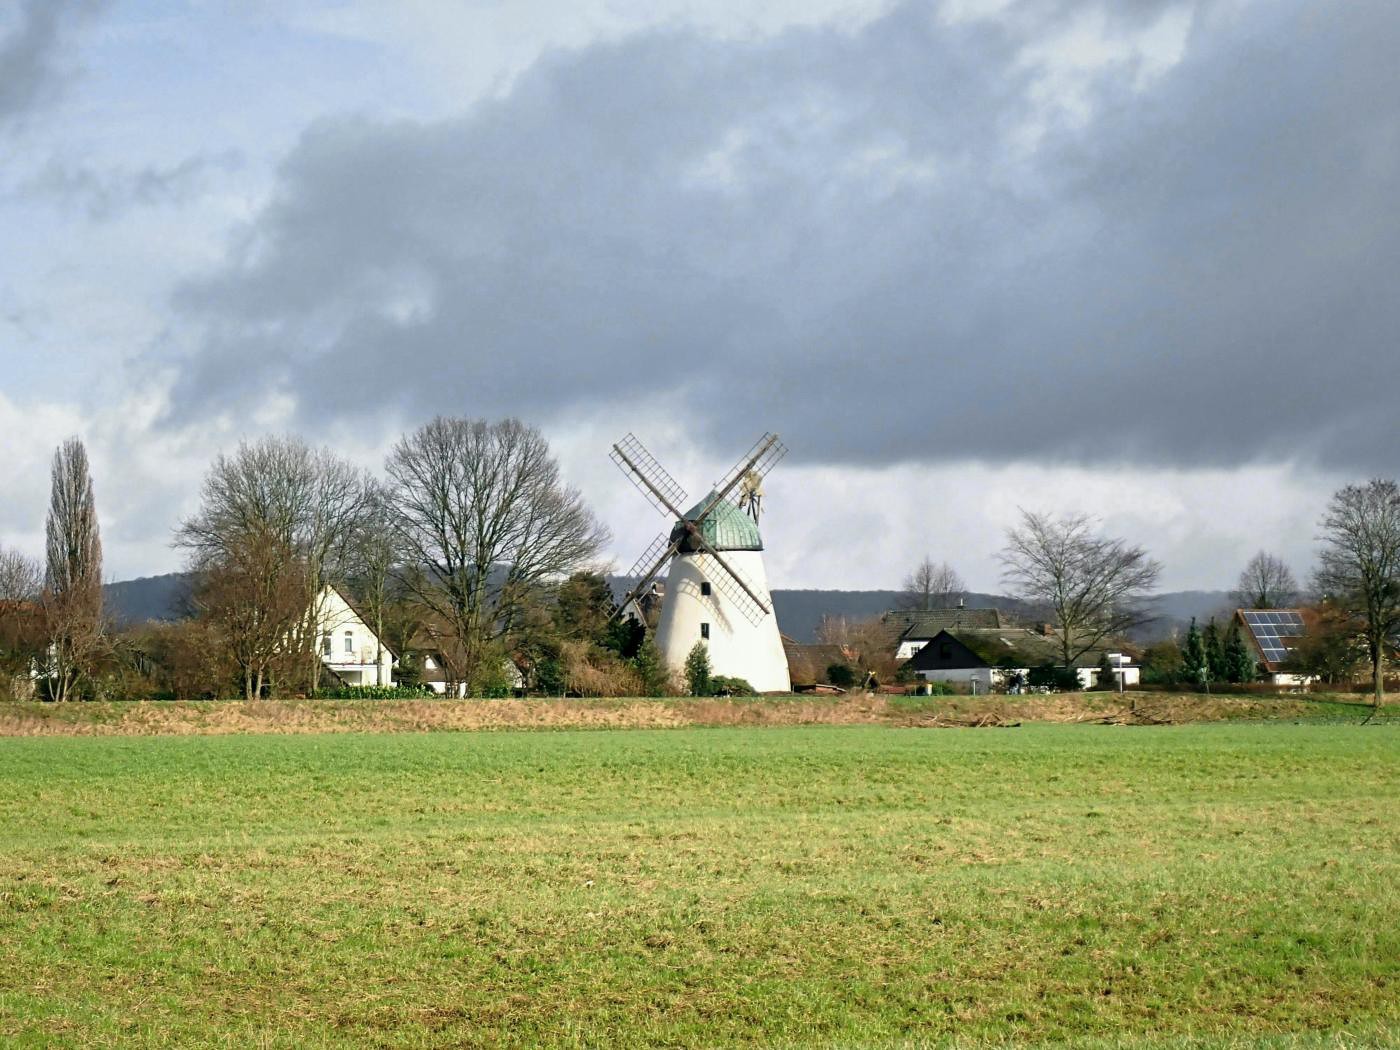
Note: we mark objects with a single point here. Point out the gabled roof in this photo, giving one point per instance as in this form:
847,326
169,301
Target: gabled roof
1273,633
1008,647
921,624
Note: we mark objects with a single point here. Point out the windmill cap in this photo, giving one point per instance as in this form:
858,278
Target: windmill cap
726,527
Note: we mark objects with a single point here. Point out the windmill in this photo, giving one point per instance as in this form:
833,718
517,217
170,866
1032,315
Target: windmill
716,589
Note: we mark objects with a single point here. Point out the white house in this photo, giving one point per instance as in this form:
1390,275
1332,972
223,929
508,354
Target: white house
989,659
347,644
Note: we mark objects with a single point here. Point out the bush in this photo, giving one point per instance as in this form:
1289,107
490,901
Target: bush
1107,680
1057,679
841,675
931,689
722,685
697,670
652,676
376,692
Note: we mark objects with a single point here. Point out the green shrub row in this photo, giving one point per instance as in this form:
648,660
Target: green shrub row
376,692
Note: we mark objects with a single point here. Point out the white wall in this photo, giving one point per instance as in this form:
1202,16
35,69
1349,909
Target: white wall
738,647
366,663
991,677
985,677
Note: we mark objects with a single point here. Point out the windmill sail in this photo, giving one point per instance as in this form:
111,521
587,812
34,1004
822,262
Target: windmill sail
753,466
731,583
651,479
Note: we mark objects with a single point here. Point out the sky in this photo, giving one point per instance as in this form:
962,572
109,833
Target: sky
1136,259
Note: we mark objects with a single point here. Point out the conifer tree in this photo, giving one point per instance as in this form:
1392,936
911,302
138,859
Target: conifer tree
1239,664
651,670
1193,658
1215,651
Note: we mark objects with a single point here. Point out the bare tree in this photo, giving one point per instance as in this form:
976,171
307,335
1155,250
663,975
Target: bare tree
1265,583
21,627
932,586
1094,586
73,571
21,577
1359,567
281,496
482,512
373,552
254,597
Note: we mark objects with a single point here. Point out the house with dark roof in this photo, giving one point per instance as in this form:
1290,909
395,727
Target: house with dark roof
916,628
995,658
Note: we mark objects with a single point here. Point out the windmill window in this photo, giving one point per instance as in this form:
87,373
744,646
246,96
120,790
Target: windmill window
349,642
704,630
705,588
326,644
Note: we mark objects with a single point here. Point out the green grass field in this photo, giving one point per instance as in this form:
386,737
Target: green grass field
1214,885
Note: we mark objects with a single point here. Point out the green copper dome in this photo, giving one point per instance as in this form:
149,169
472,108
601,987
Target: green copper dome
726,528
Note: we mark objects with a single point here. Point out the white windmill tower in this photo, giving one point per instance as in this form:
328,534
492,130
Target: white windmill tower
716,590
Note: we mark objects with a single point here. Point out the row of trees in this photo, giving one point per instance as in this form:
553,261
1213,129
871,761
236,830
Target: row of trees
455,549
470,546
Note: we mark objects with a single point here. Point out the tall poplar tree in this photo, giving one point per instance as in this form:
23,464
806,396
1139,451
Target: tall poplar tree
72,572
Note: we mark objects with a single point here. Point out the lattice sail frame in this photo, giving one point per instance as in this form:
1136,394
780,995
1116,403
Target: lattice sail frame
633,459
765,454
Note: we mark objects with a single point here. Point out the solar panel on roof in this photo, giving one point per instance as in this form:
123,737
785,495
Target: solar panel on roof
1272,630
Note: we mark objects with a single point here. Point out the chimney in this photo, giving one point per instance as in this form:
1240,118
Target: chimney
961,603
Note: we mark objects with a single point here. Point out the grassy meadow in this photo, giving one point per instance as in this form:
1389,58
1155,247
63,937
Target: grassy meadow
1205,885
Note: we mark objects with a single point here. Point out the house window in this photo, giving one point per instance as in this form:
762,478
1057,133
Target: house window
705,588
349,642
326,644
704,630
945,651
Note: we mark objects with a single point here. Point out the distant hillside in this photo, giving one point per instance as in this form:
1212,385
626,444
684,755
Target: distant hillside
149,598
799,611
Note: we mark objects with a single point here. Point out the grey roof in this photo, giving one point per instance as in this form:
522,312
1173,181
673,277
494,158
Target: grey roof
1017,647
926,623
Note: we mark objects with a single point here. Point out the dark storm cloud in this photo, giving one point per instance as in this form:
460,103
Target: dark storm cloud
31,45
855,238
